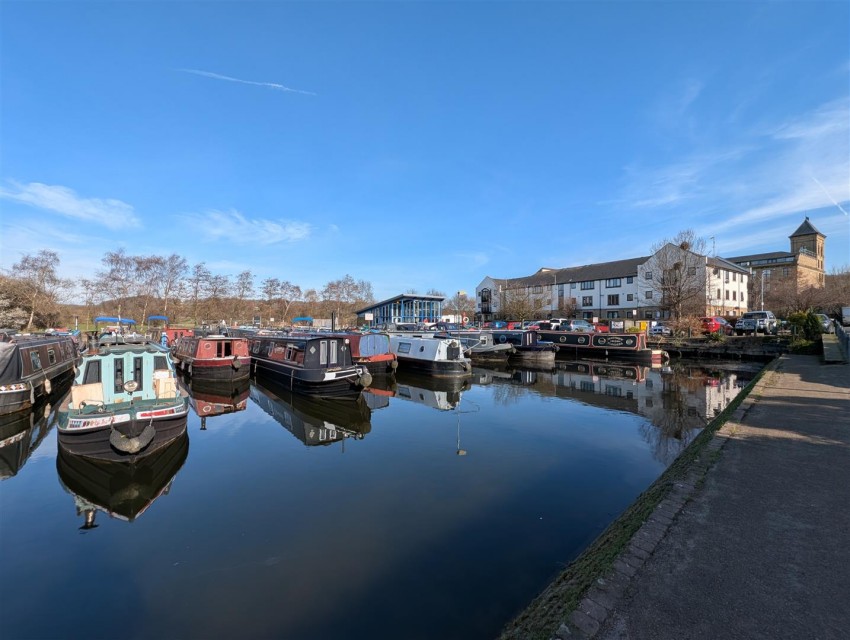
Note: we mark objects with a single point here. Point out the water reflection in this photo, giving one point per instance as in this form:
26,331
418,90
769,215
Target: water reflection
443,394
122,490
211,399
677,399
314,421
22,432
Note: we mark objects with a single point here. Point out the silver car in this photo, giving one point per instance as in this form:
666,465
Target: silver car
825,323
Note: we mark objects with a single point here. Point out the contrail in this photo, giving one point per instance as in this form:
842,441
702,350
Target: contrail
270,85
840,208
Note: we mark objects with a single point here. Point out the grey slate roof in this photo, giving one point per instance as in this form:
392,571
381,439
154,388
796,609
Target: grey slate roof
761,256
598,271
806,229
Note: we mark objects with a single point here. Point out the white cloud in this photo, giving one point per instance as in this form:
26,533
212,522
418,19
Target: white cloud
270,85
234,227
112,213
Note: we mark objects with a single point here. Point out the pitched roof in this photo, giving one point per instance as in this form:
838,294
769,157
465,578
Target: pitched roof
771,255
597,271
728,264
806,229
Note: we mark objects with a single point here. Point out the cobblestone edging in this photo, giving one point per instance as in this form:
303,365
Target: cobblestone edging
602,598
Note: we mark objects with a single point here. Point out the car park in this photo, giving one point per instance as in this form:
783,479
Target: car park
577,325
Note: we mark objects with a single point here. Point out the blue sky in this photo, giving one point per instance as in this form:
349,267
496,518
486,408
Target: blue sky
419,145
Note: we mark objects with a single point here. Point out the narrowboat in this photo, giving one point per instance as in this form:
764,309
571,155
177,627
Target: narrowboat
529,349
370,351
121,490
213,358
443,394
124,404
30,365
318,365
420,353
315,421
624,346
480,346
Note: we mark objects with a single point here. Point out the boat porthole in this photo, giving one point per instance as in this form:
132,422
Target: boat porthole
563,338
207,409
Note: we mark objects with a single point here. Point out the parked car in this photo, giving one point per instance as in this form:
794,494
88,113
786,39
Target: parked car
577,325
716,324
660,329
757,322
601,327
825,323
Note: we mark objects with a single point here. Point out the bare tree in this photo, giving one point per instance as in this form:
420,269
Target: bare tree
197,285
287,293
676,275
118,279
520,304
172,270
39,284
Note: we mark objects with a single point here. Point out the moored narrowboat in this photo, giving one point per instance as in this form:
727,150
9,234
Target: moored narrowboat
420,353
625,346
319,365
529,348
30,365
214,357
371,351
124,404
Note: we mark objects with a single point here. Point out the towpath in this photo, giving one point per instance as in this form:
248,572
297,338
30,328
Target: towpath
761,546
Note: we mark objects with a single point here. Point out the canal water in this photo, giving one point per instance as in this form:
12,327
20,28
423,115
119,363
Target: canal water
424,510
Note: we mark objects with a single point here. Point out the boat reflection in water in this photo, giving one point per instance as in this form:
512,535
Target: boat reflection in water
313,420
122,490
210,399
443,394
22,432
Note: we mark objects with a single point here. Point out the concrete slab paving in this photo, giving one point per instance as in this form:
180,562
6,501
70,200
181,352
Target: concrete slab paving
762,548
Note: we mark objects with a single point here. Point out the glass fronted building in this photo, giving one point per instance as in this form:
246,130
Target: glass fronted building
405,308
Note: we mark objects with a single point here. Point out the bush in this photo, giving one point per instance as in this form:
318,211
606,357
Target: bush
805,325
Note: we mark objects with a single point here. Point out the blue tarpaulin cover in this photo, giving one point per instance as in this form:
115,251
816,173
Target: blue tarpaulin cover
303,319
157,318
114,319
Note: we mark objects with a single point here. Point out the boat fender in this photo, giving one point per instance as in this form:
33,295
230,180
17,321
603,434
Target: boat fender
365,379
32,393
131,445
48,386
236,363
189,369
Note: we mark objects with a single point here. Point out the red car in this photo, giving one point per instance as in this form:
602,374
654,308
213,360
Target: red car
601,327
716,324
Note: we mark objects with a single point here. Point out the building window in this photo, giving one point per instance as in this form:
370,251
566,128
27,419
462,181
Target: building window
613,300
734,277
692,271
587,301
648,275
727,294
630,297
786,271
572,285
613,314
629,280
537,288
734,294
612,283
648,316
718,294
588,284
649,295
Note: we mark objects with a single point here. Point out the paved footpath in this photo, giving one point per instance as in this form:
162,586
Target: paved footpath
762,547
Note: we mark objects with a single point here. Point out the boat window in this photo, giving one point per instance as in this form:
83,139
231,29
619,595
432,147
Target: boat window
323,351
35,359
333,353
118,363
255,348
226,349
51,356
92,372
404,347
137,373
160,362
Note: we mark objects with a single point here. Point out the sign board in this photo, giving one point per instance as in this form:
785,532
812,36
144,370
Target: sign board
618,325
369,316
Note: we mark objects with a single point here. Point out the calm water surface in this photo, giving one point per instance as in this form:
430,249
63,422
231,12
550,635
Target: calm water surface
424,510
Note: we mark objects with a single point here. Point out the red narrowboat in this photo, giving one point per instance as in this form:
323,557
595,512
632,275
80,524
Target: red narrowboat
213,358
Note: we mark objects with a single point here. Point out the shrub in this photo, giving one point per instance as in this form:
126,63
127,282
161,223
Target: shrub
806,325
